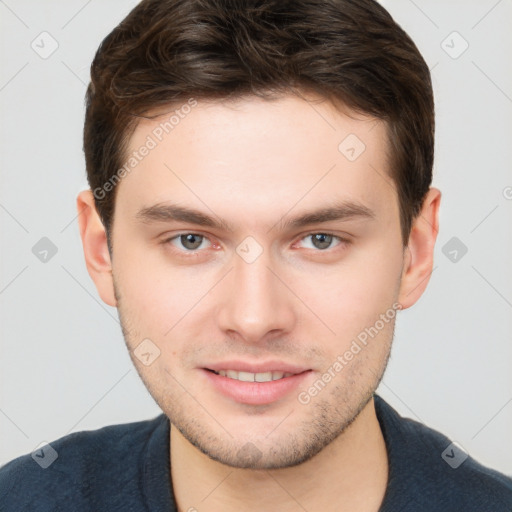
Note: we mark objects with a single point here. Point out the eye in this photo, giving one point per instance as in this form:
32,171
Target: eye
189,241
322,241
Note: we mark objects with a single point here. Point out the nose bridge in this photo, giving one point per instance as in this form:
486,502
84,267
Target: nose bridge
253,281
256,301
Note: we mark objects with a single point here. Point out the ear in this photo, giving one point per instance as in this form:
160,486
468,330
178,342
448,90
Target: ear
94,241
419,253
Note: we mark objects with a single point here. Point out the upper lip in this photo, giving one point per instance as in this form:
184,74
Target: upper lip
260,367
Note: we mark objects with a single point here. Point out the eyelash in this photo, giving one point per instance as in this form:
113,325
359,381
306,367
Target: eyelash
196,252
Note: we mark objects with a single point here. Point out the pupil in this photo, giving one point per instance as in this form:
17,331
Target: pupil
322,241
191,241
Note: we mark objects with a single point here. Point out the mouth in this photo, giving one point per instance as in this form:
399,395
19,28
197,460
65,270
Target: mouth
262,386
252,377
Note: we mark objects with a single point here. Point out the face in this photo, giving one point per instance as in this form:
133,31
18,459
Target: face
249,240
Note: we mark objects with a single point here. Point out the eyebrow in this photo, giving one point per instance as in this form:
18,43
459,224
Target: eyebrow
168,212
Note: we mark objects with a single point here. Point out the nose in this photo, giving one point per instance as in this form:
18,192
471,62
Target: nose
255,302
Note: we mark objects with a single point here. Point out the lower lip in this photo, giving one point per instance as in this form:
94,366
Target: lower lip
255,393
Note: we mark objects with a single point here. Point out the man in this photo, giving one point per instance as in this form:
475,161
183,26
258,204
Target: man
259,210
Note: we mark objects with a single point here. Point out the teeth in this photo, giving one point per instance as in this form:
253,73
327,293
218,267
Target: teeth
263,377
254,377
245,376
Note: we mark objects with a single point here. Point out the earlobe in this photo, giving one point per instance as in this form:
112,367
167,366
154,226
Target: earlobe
419,254
94,242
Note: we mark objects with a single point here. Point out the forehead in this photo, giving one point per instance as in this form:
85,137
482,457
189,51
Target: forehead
257,157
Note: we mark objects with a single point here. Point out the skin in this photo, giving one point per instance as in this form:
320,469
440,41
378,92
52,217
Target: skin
254,163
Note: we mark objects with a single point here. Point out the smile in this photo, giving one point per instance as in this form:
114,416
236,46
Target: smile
253,377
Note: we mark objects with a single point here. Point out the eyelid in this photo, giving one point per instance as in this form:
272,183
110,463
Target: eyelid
169,239
341,240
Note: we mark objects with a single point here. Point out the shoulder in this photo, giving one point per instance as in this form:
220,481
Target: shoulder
434,473
74,470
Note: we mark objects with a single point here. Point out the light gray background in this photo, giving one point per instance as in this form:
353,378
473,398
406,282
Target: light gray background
64,366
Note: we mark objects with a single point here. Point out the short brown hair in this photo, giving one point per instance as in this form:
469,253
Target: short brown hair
351,51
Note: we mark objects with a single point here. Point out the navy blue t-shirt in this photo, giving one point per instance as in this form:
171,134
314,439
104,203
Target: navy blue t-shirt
126,468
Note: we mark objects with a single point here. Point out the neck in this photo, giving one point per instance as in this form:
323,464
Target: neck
350,474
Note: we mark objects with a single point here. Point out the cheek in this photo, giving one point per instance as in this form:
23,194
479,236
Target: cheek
351,296
157,295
